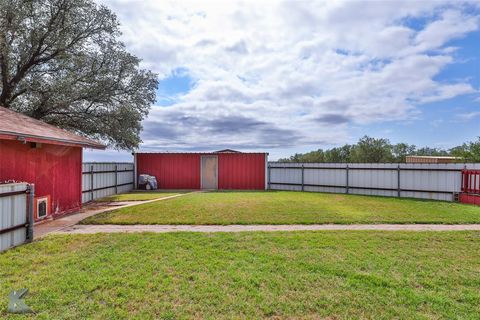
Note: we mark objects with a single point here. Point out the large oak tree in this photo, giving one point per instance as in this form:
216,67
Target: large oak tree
61,61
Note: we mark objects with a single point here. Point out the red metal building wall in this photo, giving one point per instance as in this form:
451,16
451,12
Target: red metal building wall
172,170
241,171
182,170
54,169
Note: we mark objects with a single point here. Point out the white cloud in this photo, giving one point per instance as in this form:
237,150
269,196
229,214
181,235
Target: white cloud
468,116
274,74
453,24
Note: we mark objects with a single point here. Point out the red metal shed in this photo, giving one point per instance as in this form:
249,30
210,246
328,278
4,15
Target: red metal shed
223,170
51,158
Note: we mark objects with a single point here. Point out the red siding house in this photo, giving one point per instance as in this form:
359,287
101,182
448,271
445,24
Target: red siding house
223,170
51,158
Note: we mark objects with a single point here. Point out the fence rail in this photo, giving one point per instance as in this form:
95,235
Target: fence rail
16,214
102,179
427,181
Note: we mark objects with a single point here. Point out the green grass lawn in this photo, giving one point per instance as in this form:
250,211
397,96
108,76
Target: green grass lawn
285,207
137,196
334,275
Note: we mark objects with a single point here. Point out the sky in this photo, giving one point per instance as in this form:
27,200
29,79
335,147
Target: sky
294,76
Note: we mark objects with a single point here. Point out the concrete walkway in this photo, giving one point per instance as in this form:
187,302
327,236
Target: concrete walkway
89,229
50,226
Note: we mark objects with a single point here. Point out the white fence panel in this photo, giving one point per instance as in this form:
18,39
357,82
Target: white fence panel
15,216
333,176
289,177
102,179
426,181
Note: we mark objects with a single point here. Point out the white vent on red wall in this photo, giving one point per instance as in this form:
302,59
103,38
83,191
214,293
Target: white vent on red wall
42,207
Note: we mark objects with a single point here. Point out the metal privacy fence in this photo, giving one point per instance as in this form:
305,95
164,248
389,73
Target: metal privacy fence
16,214
102,179
408,180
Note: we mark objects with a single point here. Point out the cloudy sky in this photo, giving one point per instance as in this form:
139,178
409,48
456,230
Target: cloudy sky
293,76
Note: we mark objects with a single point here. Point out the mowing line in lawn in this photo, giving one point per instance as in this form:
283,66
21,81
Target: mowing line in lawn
91,229
140,196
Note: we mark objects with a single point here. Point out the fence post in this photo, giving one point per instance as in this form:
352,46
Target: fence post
398,181
268,176
91,182
116,178
303,177
346,185
30,217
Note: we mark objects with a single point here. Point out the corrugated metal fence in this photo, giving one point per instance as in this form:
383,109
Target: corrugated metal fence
16,214
102,179
415,180
426,181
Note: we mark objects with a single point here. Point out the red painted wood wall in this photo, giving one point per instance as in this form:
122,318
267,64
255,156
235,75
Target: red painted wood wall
54,169
236,171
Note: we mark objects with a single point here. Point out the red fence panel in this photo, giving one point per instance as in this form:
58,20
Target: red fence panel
470,187
470,198
471,181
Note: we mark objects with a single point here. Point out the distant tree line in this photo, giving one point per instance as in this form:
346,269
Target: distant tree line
374,150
